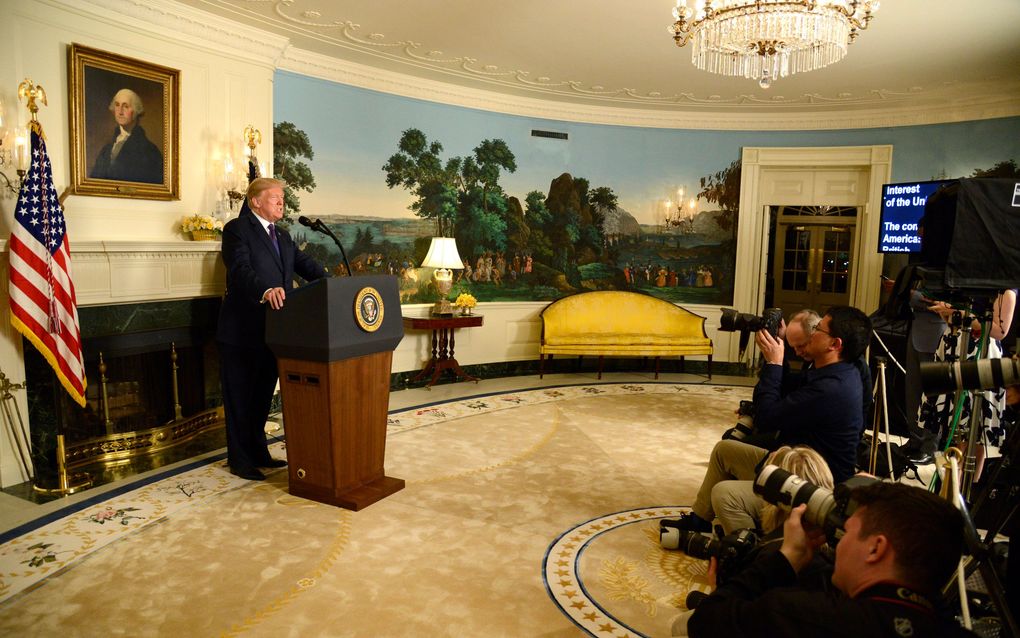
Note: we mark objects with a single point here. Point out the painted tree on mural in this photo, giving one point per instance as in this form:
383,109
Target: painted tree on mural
417,167
463,195
289,145
723,188
1004,169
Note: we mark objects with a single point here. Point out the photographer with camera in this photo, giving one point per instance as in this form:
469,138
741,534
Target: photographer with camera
989,421
740,546
900,545
824,413
796,336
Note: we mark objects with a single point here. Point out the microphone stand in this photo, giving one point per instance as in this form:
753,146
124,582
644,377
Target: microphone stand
318,226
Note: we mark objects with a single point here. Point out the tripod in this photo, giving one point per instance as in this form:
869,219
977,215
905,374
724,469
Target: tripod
881,415
980,554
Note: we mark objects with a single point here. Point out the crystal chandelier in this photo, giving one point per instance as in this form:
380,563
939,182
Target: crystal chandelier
768,39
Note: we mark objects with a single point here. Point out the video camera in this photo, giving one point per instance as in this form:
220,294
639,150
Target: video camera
827,509
983,374
730,550
746,323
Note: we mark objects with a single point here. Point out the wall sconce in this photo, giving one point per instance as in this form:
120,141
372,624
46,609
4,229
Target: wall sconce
443,256
12,159
230,183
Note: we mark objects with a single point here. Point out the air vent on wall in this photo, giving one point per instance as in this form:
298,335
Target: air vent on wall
550,134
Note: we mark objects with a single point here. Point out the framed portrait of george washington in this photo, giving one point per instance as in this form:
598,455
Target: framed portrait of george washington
125,126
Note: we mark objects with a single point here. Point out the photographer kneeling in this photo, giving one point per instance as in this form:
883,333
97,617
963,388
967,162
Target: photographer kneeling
824,412
900,545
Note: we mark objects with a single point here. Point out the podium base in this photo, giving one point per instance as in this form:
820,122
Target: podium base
355,499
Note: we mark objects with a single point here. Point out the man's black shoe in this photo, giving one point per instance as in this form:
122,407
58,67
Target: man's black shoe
691,522
249,473
921,458
272,463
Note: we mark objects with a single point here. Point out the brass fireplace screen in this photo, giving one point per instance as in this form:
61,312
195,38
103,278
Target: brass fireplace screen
150,387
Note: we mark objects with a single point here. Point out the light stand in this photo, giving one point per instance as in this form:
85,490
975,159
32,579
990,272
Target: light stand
977,406
881,415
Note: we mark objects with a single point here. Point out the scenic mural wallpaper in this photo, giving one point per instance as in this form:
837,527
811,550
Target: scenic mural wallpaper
539,208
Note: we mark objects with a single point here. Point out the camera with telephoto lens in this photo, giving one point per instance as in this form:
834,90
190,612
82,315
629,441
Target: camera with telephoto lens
745,324
983,374
733,321
729,551
827,509
745,423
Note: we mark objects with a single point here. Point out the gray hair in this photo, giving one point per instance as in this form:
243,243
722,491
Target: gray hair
136,102
807,318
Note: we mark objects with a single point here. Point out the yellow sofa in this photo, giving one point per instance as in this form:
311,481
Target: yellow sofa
622,324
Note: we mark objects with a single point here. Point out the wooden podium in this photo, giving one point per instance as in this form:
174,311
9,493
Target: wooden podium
334,340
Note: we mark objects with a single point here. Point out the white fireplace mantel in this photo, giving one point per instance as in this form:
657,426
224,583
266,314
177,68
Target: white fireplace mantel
115,272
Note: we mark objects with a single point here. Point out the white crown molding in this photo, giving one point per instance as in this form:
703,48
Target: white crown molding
882,108
977,103
178,22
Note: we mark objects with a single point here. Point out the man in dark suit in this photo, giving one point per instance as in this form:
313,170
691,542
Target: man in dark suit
261,262
129,156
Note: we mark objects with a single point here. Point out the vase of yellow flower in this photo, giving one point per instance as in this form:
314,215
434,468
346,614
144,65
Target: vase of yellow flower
465,302
202,227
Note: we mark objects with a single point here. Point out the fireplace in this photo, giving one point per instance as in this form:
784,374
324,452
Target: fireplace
153,385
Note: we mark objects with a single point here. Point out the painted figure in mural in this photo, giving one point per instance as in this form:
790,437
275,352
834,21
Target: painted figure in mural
660,277
527,265
673,279
129,156
708,277
480,268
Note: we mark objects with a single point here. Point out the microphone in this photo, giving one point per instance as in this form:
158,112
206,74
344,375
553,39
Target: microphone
318,226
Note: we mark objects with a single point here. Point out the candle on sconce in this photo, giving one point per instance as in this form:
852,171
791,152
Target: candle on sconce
21,150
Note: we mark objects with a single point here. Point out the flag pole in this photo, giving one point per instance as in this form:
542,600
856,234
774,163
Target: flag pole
66,483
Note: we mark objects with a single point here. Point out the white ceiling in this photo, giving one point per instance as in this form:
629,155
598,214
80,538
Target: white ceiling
933,55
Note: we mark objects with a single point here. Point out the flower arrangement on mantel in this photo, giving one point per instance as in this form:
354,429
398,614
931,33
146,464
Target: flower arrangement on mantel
465,302
202,227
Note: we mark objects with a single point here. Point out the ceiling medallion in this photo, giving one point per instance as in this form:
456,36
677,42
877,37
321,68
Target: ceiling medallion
768,39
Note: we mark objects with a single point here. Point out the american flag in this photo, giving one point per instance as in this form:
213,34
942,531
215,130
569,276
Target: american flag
43,304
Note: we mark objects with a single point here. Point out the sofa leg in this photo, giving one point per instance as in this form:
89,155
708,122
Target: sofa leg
709,367
541,364
682,363
600,366
656,367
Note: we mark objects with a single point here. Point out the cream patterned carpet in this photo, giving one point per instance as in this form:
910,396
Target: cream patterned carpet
532,513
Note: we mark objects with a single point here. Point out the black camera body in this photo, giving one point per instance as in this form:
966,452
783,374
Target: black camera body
827,509
745,423
730,550
733,321
745,323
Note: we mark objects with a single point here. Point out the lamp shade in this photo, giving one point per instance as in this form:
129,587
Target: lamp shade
443,254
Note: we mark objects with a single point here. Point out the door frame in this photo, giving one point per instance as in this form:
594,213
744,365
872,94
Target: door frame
873,164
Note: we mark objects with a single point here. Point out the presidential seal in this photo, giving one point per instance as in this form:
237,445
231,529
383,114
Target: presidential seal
368,309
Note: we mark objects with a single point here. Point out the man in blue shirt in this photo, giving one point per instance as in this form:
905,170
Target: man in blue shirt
824,412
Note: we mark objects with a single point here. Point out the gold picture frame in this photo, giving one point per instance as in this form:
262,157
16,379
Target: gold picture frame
113,99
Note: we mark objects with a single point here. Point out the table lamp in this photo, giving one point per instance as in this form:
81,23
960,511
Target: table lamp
443,256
